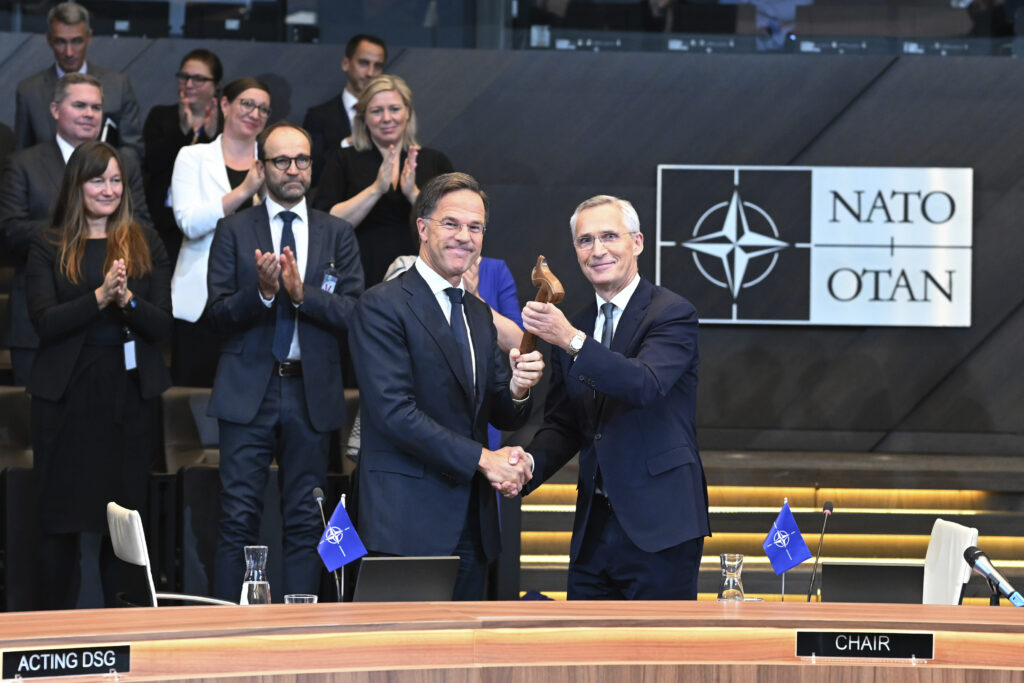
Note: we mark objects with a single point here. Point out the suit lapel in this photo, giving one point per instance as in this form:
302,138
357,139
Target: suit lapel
54,164
315,236
426,309
220,168
585,320
480,335
261,229
628,326
629,322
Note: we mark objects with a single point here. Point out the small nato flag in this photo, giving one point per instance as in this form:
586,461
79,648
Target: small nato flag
340,543
784,545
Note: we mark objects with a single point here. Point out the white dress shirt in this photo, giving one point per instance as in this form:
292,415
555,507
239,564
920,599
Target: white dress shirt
300,228
619,300
437,286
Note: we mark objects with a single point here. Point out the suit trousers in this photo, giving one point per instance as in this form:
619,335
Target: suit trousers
611,567
280,429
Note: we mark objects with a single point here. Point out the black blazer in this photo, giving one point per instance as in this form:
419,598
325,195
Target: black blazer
163,140
328,124
62,311
28,192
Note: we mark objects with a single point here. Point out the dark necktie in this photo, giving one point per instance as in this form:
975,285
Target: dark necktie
285,327
609,323
459,330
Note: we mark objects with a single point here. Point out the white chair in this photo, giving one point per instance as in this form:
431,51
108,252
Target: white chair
945,570
129,541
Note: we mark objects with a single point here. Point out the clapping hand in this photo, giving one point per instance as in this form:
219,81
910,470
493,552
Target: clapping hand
114,284
268,268
407,181
291,277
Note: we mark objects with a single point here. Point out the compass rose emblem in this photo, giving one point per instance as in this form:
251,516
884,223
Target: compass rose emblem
736,243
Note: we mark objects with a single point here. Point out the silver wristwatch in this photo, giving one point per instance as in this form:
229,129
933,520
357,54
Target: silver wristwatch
576,343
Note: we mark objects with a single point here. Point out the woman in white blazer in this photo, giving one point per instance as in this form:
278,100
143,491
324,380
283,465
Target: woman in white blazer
211,181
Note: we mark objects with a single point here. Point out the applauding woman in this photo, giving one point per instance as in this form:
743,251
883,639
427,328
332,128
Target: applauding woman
210,182
194,119
374,184
98,289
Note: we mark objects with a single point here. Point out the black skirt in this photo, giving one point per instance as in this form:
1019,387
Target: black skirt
94,445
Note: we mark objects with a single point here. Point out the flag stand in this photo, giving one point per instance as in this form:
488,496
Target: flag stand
341,572
785,500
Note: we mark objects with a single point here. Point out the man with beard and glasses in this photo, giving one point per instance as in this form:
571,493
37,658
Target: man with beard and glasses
283,282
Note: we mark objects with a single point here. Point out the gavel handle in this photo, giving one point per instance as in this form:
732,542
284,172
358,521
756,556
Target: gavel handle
528,343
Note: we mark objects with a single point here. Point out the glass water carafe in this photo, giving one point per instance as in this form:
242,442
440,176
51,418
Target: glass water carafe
255,587
732,581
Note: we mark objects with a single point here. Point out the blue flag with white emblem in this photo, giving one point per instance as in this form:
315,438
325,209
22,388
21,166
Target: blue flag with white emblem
784,545
340,544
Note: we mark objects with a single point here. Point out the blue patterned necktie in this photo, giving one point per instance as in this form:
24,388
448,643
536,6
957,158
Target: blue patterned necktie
609,326
458,323
285,328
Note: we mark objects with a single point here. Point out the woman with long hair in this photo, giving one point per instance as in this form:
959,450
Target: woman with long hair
98,287
374,184
210,182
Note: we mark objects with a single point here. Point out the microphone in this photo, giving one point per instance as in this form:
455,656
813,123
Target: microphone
982,565
814,572
318,495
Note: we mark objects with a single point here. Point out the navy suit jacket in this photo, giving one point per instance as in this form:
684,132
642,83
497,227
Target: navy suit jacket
247,325
328,124
28,192
631,409
423,423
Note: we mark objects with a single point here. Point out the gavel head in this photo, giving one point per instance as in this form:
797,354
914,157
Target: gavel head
549,288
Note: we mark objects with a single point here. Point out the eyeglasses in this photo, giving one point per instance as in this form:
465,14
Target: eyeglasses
456,227
248,105
608,239
195,78
302,162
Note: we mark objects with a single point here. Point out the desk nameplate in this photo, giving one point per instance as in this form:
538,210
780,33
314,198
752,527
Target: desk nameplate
866,644
66,661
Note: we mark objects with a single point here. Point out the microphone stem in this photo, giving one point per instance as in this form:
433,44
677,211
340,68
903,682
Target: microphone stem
817,558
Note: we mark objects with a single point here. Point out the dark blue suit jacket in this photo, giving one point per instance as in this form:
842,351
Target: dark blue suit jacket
246,357
423,424
631,409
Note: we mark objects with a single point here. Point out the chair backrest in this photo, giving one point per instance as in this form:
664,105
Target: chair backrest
129,541
945,570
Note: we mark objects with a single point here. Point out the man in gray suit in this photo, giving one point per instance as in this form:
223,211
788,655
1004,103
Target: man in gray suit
68,34
28,191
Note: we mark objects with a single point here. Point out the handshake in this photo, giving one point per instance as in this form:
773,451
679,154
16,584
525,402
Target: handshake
508,469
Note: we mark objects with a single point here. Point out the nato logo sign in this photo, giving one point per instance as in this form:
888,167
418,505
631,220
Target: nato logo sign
818,245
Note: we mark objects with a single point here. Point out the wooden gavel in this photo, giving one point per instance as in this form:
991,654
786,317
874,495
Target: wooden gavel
549,291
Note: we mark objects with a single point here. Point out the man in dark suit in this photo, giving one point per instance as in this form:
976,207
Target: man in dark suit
430,388
623,394
29,189
283,282
330,123
68,34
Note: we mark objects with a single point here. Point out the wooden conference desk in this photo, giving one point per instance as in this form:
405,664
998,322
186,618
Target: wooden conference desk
525,641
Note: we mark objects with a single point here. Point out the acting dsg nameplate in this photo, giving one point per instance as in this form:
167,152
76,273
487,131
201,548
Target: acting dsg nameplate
66,661
866,644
